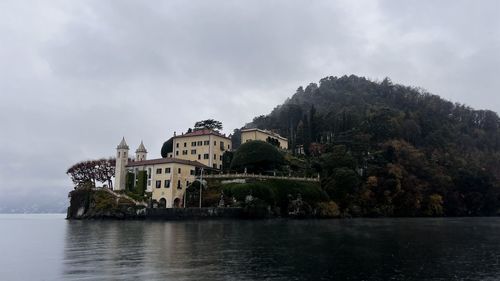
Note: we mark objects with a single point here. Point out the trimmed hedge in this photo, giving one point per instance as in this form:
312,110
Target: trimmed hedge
142,177
276,192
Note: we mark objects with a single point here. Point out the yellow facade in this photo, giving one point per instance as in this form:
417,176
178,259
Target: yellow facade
168,180
262,135
206,147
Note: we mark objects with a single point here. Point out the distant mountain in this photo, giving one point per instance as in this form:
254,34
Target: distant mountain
393,150
34,203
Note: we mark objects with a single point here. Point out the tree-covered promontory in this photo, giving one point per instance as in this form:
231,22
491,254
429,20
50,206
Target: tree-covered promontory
384,149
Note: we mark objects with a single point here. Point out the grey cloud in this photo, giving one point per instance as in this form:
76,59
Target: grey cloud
77,76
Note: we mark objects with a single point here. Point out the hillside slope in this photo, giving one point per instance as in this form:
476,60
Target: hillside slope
390,150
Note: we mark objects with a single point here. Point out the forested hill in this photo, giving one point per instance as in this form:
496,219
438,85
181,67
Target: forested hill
389,149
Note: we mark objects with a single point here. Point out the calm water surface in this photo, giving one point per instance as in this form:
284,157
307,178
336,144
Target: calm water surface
47,247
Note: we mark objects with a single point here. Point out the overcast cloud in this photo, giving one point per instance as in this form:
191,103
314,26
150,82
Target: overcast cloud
76,76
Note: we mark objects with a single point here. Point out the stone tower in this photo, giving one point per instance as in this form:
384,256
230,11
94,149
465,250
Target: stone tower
141,153
121,162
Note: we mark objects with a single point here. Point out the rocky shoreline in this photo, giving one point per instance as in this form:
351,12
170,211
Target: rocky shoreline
101,204
90,204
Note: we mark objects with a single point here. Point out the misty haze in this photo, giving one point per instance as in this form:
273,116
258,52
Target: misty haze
249,140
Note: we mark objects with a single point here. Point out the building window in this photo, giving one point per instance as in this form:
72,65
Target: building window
193,143
184,152
200,143
205,156
149,173
215,156
193,151
220,158
222,145
206,142
187,183
215,143
228,147
177,145
199,156
177,153
179,184
158,184
118,154
167,183
158,171
149,182
191,172
185,144
179,170
215,166
167,170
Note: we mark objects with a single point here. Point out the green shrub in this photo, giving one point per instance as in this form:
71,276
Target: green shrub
257,156
276,192
104,201
129,181
258,189
142,177
327,210
135,196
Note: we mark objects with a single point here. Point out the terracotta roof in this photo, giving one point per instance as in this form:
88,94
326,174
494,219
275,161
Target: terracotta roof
166,161
203,132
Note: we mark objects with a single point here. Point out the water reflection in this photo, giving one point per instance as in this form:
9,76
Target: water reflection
385,249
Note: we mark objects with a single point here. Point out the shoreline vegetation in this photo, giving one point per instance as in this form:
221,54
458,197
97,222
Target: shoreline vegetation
252,200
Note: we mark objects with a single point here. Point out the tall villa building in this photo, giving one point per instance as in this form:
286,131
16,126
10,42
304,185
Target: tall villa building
167,178
262,135
203,146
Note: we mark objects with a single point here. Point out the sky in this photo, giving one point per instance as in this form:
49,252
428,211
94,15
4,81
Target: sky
76,76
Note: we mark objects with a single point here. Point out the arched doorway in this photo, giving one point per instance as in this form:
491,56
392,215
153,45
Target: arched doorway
162,203
177,203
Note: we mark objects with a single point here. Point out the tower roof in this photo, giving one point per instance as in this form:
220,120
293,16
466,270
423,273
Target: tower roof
141,148
123,144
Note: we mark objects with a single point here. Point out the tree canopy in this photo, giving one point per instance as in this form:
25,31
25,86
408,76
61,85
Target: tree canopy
210,124
92,171
167,148
257,156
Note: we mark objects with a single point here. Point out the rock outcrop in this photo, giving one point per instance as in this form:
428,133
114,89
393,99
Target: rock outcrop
89,203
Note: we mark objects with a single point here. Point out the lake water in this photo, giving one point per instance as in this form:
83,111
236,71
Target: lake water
47,247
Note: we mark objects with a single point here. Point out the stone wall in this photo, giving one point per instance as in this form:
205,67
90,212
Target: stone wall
193,213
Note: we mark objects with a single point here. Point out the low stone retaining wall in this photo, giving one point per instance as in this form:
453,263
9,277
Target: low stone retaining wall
257,176
193,213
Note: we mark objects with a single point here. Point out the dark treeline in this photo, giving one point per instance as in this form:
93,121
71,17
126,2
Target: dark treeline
384,149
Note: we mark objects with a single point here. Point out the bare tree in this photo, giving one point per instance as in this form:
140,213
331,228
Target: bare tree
106,171
91,171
